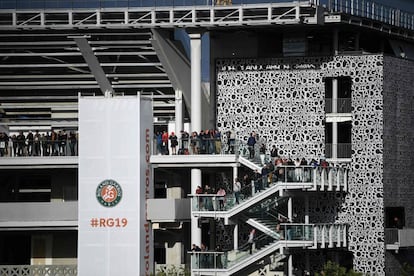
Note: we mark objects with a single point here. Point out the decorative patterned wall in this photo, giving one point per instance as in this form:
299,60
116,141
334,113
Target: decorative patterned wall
283,100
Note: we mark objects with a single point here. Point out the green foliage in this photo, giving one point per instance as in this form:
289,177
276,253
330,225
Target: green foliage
173,271
407,270
334,269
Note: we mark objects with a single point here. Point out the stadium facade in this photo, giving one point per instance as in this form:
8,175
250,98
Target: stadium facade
325,81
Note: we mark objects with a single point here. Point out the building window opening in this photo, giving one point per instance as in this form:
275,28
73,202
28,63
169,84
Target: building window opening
338,95
338,145
394,217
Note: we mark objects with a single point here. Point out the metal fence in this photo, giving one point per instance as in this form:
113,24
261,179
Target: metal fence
38,270
372,10
76,4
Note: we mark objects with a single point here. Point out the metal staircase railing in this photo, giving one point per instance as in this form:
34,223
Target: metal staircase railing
293,235
306,178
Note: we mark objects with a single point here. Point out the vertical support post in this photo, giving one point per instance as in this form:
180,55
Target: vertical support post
344,242
126,17
306,209
179,112
195,230
98,18
235,173
323,233
42,18
195,43
290,265
70,18
236,237
330,236
338,235
290,208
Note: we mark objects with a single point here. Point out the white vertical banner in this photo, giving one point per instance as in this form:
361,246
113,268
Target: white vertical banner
115,179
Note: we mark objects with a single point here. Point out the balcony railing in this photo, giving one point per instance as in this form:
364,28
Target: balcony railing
396,238
291,235
343,150
372,10
76,4
44,270
340,105
43,147
315,177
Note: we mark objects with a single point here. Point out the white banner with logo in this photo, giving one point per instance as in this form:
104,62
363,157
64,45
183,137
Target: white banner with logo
115,178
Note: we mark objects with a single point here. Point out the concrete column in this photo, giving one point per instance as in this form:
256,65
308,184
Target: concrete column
179,113
195,230
235,172
290,209
306,209
334,124
195,43
236,237
290,265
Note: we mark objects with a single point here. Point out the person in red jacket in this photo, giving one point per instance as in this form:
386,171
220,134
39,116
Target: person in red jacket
164,139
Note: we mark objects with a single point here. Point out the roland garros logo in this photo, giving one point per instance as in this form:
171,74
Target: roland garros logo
109,193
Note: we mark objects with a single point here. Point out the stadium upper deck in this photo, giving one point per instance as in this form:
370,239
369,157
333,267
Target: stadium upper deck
199,13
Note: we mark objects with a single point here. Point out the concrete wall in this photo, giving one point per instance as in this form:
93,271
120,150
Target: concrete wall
399,147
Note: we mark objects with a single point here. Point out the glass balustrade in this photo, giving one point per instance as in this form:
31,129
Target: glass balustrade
193,146
225,260
41,147
288,232
285,175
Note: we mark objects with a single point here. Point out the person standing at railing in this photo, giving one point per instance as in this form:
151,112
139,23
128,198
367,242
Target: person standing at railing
257,177
306,171
43,144
250,143
72,143
62,137
54,143
265,175
217,141
208,204
298,170
231,140
174,143
164,138
3,143
184,140
273,153
30,143
262,152
237,189
194,142
36,143
246,185
221,195
158,141
21,143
